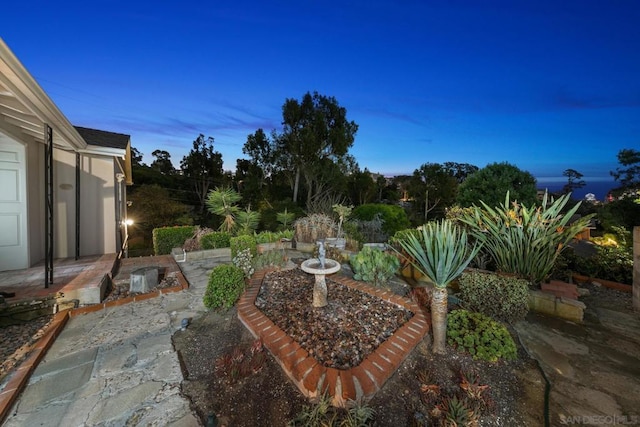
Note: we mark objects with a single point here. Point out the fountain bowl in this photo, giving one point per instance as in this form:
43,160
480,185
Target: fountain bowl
313,266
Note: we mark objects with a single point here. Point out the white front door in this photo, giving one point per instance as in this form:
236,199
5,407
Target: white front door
13,206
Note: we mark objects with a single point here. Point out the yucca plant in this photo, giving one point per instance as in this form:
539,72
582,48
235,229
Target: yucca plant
222,202
440,252
525,241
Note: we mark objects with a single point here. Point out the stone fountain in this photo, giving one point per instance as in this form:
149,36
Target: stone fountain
320,267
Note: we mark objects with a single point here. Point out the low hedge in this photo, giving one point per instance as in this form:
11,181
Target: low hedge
167,238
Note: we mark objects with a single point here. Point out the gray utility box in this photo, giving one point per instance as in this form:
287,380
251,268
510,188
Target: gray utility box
143,280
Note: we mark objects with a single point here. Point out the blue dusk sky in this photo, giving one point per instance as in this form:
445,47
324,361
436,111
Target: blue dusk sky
546,85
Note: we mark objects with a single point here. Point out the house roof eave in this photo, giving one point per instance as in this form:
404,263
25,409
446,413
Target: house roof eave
103,151
31,105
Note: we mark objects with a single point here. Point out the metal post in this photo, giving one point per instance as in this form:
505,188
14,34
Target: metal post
77,206
48,185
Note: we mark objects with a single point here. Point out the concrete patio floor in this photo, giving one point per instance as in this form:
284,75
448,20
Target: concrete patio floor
29,283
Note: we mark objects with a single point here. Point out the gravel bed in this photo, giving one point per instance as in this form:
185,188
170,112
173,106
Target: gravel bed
339,335
120,289
16,341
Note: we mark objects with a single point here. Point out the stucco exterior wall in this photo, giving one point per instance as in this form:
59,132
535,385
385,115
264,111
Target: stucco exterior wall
97,206
64,187
35,201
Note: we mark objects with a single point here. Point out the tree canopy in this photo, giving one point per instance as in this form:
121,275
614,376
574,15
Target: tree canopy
490,183
433,187
315,129
628,173
162,162
203,168
574,181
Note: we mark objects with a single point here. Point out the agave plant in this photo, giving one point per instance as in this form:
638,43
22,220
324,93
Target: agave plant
440,252
525,241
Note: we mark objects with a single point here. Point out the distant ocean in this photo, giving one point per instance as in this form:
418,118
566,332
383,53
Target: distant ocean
599,188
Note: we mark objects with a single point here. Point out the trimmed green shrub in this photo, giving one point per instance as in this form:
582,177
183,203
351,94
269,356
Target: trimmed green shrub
243,242
216,240
373,265
480,336
167,238
226,283
502,298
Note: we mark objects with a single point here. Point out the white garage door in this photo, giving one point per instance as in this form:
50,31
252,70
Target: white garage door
13,206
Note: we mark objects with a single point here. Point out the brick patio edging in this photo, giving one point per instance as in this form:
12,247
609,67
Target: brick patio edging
343,386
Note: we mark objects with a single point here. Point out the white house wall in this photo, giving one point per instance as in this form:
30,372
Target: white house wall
35,201
97,206
64,199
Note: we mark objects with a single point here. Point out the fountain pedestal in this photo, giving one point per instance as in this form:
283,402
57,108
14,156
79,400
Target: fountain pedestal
314,267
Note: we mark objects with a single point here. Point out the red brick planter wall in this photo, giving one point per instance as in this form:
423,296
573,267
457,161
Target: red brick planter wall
355,384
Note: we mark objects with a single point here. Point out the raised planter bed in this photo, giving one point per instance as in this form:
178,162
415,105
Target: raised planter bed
344,386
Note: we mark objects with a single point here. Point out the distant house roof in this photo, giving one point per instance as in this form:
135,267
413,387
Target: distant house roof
103,138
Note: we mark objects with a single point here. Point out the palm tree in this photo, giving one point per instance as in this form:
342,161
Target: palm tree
440,252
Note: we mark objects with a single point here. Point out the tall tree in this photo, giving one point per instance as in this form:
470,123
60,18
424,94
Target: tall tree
574,181
460,171
162,162
261,163
314,129
136,157
432,186
490,184
249,181
362,188
629,174
381,186
203,168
